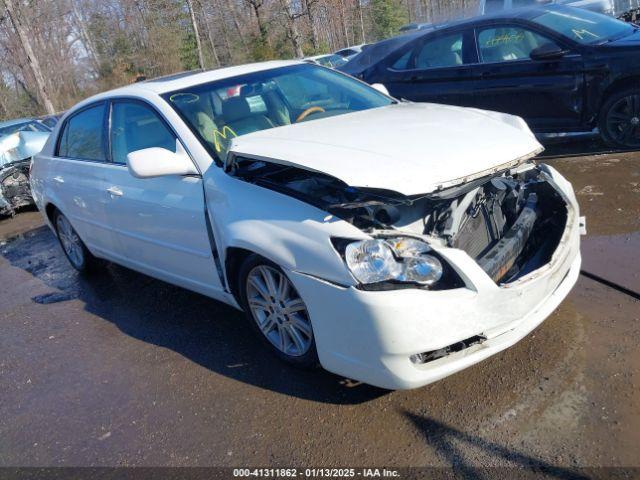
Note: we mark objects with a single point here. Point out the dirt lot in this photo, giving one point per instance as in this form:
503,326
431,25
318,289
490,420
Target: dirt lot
121,369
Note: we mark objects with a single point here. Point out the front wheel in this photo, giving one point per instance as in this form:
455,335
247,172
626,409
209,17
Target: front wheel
619,120
73,247
277,312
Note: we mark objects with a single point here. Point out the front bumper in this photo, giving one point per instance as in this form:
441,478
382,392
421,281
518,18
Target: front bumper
370,336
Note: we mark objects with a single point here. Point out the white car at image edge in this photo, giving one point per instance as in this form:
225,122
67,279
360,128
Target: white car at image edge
389,242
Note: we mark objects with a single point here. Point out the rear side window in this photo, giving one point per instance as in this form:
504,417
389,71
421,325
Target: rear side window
83,135
135,126
445,51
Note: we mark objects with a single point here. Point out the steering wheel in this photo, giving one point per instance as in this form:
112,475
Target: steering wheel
308,112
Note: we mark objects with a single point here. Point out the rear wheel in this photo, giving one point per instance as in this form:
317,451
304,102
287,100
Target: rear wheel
277,312
73,247
619,121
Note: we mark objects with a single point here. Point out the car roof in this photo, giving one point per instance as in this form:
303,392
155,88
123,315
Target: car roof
524,13
520,13
182,80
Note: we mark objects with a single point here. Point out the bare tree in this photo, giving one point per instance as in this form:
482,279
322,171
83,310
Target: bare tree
196,32
309,6
31,58
212,44
256,6
86,38
291,19
359,8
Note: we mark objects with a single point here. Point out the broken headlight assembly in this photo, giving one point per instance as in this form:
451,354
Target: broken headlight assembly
396,262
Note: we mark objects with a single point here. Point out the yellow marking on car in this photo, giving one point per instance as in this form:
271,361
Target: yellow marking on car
504,39
217,135
580,34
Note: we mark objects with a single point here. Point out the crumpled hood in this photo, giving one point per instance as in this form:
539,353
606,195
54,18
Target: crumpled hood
21,146
410,148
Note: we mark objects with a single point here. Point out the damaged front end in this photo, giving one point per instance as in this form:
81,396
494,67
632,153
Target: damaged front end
16,151
510,222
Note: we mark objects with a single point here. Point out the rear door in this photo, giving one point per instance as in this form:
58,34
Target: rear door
159,222
548,94
77,176
436,68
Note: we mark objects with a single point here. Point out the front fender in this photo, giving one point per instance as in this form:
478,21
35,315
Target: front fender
287,231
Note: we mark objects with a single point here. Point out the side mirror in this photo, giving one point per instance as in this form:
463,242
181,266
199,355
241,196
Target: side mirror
381,88
548,51
160,162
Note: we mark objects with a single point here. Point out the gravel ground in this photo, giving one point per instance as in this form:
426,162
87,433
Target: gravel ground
120,369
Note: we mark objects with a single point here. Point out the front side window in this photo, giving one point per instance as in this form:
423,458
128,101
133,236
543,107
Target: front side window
83,135
584,26
445,51
135,126
505,44
219,111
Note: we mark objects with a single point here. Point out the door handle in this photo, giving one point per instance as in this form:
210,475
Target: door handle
58,179
115,191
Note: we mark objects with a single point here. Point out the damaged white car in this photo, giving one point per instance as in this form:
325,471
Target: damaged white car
16,150
392,243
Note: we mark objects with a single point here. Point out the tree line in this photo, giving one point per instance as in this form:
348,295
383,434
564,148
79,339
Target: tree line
56,52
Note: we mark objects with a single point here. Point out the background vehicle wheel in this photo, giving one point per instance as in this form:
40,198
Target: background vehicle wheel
276,311
619,121
72,246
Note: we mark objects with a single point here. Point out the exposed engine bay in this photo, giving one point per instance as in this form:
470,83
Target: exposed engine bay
510,223
16,151
15,191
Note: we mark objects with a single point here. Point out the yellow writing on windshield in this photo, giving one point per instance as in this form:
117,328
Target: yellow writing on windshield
580,34
225,134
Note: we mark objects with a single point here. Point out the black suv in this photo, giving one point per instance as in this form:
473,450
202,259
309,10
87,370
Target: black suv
562,69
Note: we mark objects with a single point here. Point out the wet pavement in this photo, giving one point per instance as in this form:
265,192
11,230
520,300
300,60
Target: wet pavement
120,369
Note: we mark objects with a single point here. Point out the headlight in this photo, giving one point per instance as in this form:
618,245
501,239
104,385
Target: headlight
392,259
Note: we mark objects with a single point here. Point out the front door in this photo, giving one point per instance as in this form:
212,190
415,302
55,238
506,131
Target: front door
435,69
548,94
160,222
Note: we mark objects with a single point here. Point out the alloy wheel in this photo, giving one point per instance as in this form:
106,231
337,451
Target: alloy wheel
623,121
70,241
279,311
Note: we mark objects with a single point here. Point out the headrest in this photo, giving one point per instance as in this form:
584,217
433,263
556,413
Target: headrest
235,108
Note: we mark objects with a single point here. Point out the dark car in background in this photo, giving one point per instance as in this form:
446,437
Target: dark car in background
562,69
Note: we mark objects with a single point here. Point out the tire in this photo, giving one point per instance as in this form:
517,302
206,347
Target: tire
276,312
72,245
619,119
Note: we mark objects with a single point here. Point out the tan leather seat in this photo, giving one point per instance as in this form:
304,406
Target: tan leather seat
238,116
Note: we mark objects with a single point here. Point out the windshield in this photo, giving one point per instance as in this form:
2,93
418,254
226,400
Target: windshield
584,26
219,111
24,127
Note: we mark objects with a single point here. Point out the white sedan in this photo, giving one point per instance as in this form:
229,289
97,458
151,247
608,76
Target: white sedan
392,243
